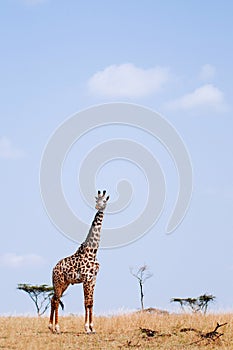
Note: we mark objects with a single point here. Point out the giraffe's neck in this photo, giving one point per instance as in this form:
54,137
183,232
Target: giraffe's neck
93,237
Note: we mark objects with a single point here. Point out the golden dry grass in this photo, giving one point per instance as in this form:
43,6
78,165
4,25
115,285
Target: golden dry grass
117,332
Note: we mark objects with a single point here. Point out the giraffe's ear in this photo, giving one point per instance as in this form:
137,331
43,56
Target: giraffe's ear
107,198
96,198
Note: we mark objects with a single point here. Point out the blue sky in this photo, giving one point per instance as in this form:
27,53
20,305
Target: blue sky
174,57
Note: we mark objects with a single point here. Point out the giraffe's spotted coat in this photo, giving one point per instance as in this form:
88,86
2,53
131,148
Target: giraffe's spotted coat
81,267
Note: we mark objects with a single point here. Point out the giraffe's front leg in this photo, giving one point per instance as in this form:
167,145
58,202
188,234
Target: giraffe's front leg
91,320
86,326
88,288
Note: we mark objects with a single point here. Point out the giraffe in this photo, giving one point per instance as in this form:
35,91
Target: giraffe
81,267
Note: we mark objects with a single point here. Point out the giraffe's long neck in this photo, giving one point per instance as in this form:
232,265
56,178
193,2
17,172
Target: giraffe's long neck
93,237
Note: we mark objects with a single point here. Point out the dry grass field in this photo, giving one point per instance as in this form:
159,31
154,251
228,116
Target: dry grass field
174,331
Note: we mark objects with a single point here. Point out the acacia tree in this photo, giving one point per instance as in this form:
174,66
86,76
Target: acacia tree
200,303
204,300
40,295
142,274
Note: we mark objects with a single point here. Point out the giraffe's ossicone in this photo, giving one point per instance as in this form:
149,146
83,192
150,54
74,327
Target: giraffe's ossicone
81,267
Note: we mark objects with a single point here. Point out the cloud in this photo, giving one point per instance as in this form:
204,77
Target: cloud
14,261
8,151
207,72
127,80
207,96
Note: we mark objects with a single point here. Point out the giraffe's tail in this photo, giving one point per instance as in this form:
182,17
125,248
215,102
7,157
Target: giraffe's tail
60,302
62,305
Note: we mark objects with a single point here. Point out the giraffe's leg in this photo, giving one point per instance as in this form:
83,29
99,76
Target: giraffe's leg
57,328
88,288
51,314
86,326
54,310
55,301
91,320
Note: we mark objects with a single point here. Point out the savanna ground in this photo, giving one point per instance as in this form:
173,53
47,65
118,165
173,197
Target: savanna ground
119,332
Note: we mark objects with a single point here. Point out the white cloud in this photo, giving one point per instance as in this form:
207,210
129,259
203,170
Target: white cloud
127,80
8,151
207,72
13,260
207,96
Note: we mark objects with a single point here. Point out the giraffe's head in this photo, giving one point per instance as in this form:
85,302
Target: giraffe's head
101,201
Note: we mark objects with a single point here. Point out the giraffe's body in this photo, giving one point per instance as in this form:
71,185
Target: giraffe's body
81,267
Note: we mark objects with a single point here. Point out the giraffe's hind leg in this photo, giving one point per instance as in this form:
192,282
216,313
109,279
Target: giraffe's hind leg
54,312
55,301
57,328
51,314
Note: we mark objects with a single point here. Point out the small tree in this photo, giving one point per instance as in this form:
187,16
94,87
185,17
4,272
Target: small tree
40,295
186,302
200,303
142,274
204,301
